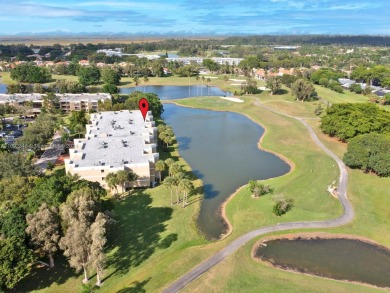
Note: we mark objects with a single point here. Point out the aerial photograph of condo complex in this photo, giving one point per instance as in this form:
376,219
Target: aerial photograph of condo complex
208,146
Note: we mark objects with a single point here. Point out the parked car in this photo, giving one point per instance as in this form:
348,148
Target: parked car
16,133
3,134
8,125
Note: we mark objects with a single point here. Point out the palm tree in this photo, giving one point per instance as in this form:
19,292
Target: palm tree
174,169
136,81
197,81
169,183
208,86
125,176
146,79
169,162
201,89
177,178
112,181
225,79
187,187
160,167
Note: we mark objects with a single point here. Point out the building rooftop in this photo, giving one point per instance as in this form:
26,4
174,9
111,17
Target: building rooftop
115,139
63,97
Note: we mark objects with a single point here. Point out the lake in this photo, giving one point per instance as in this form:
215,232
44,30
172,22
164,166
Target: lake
172,92
3,88
343,259
221,148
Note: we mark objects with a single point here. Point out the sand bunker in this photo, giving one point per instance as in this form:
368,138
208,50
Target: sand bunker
236,100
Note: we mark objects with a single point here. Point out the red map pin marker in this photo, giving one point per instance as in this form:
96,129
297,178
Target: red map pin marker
143,105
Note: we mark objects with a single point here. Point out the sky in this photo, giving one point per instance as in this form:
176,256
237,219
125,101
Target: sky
207,17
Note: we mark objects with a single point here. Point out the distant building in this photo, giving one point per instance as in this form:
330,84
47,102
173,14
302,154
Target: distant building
84,62
286,47
68,102
114,141
199,60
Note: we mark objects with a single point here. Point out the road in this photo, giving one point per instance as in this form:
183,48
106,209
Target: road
51,154
242,240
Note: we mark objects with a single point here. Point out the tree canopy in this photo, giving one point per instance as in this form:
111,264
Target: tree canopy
15,260
346,121
88,75
369,152
30,73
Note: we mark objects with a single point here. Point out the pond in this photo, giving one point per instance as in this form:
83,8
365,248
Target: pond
221,148
343,259
172,92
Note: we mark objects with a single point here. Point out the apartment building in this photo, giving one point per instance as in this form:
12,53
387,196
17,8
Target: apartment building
67,102
114,141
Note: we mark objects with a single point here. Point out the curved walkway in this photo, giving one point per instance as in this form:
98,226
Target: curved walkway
240,241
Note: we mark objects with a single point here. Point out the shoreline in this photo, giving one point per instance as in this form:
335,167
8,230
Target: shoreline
308,236
222,209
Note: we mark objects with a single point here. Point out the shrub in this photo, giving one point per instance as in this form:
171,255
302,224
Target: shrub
282,204
258,189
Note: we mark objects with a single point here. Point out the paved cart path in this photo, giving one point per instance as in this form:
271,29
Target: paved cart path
240,241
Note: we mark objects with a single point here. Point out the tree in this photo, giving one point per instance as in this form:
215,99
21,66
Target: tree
44,229
258,189
356,88
110,76
13,222
126,177
249,86
210,65
98,236
169,183
174,169
110,89
288,79
282,204
169,162
16,164
187,186
30,73
208,80
146,80
302,89
76,246
78,214
160,167
274,84
177,178
38,88
16,260
155,104
88,75
77,118
167,136
51,102
112,181
136,81
369,152
347,120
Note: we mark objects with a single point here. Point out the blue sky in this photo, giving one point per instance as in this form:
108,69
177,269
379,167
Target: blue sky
196,16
